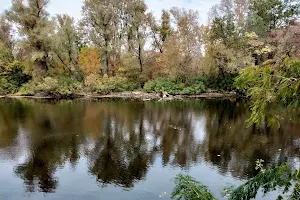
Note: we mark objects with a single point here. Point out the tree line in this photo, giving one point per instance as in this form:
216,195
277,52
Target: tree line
119,45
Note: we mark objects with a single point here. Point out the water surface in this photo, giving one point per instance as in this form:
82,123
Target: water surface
131,150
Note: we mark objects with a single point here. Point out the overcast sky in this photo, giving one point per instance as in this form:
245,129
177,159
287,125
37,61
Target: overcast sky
73,7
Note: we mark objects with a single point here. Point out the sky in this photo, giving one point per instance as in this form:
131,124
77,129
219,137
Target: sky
73,7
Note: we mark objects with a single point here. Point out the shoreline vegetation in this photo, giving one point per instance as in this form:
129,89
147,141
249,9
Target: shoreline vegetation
131,95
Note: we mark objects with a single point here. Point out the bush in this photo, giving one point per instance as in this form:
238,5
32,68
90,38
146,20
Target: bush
52,86
219,83
174,87
69,85
107,85
12,77
5,86
48,85
27,89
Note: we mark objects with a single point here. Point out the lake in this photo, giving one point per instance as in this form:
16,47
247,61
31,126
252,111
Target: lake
130,150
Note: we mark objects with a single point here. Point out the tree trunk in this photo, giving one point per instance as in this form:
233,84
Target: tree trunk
106,58
140,58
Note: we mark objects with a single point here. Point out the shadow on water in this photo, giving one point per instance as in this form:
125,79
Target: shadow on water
122,139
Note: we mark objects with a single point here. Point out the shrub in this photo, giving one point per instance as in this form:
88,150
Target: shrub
27,89
114,84
69,85
48,85
91,80
196,86
174,87
52,86
5,86
12,77
219,83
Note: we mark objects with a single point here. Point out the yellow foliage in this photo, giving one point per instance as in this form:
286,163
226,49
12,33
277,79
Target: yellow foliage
91,80
89,61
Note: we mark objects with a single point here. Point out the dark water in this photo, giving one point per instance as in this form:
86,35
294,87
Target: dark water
132,150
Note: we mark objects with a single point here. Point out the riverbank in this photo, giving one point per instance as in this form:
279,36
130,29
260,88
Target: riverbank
132,95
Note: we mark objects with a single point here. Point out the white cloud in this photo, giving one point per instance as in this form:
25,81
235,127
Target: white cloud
73,7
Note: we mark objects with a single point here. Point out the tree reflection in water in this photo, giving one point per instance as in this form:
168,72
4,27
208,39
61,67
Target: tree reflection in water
122,139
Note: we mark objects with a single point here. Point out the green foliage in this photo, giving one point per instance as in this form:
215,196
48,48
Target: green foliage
64,44
188,188
114,84
281,177
224,30
32,21
171,86
60,86
5,86
266,85
220,83
12,77
162,84
5,55
266,15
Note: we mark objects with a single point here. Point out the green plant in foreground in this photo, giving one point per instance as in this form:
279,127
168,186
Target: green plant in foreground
267,85
187,188
281,178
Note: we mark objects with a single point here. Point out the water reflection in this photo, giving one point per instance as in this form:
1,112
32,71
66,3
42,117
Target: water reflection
122,139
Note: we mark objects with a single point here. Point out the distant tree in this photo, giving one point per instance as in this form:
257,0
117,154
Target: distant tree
136,33
6,43
265,15
65,42
160,32
33,24
100,17
182,53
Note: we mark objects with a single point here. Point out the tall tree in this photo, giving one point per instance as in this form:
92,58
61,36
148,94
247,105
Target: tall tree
235,9
33,24
182,51
65,42
137,30
99,16
265,15
6,43
160,32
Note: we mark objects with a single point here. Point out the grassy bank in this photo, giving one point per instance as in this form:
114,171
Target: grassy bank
75,86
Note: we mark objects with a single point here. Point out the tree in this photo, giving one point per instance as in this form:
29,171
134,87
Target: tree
160,32
32,22
136,29
226,49
236,9
6,43
182,49
266,15
65,42
100,17
275,81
